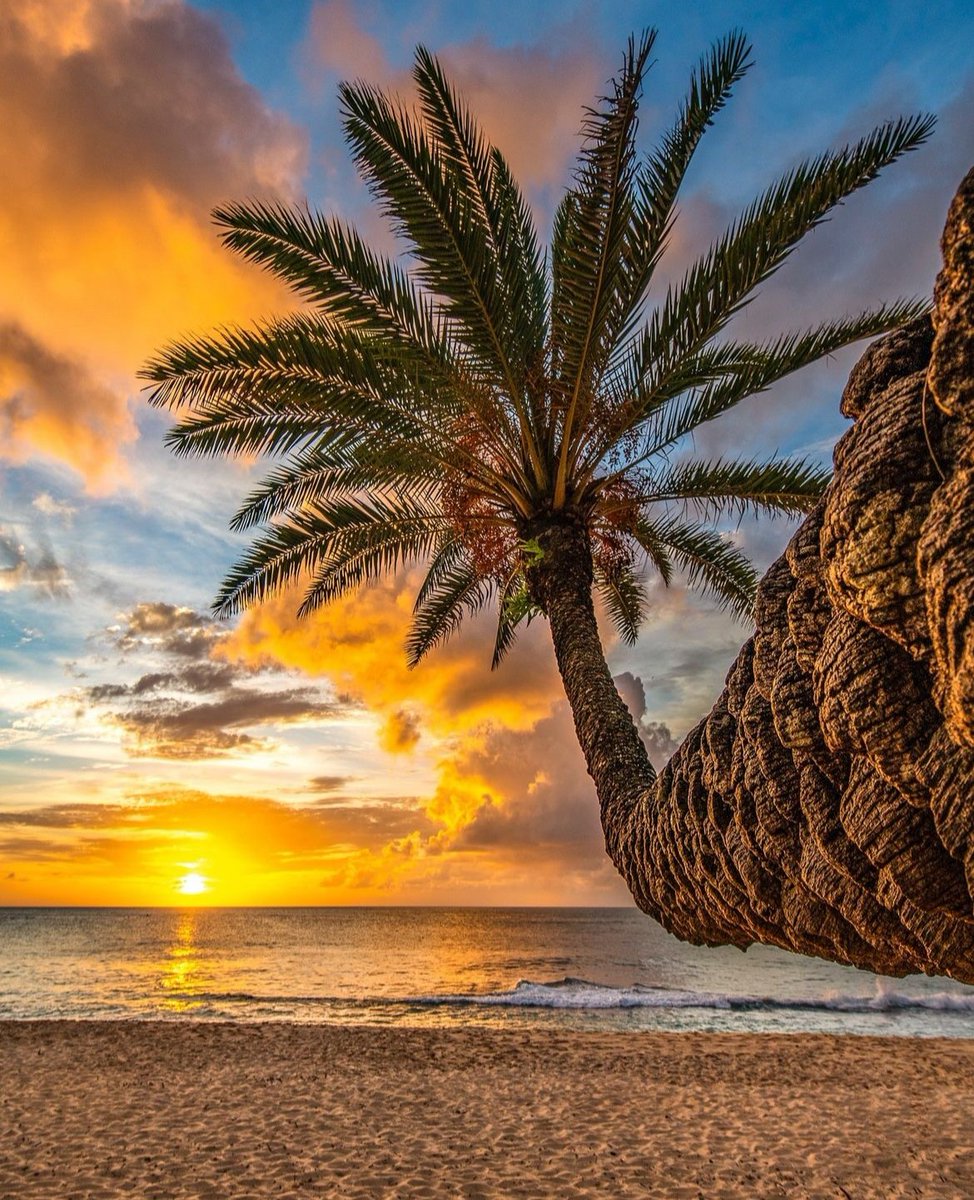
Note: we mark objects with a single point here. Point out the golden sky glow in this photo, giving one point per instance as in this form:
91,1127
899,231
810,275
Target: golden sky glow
149,755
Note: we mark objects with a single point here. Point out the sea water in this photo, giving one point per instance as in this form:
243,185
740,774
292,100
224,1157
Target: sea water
564,968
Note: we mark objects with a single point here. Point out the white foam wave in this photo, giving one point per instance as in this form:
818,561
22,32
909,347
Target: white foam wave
582,994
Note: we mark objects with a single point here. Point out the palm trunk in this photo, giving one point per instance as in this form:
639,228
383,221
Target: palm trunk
614,754
827,803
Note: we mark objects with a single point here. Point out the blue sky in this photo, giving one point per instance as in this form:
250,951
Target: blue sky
122,125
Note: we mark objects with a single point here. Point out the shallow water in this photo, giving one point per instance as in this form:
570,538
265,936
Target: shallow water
560,968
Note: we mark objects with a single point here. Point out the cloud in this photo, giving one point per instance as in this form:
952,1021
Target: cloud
50,400
530,790
400,732
329,787
194,707
251,848
45,503
358,643
121,124
169,629
550,80
38,571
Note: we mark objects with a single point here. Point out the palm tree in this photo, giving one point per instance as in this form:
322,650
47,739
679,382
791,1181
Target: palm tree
517,419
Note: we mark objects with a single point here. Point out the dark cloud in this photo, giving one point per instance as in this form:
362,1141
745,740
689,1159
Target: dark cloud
33,849
67,816
168,727
401,731
326,786
150,95
194,706
171,629
373,824
122,124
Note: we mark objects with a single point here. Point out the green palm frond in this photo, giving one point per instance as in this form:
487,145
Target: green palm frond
430,207
501,208
709,562
447,407
723,281
515,605
326,262
776,485
626,601
712,382
591,250
658,180
309,481
367,535
450,592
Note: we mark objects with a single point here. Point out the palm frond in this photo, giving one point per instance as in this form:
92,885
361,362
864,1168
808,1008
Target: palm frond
310,479
328,263
719,486
665,413
341,544
626,601
709,562
720,283
590,242
428,204
500,206
451,590
514,605
658,180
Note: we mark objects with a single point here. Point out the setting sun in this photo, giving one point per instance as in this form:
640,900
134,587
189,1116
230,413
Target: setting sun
192,884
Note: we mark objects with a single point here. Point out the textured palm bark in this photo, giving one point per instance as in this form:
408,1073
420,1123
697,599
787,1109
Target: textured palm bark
561,584
826,804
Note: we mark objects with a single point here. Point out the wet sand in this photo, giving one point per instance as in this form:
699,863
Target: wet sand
135,1109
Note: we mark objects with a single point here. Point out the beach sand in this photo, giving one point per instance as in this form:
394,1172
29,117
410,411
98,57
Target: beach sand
193,1109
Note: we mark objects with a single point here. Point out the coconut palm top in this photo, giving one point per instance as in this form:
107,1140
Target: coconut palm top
455,405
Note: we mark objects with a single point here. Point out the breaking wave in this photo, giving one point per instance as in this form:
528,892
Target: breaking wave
581,994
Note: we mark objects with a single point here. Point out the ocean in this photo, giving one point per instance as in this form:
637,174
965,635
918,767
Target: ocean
564,968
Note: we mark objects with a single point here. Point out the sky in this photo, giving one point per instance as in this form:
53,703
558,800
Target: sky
152,755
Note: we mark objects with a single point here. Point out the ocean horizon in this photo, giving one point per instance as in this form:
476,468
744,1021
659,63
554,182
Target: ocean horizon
437,966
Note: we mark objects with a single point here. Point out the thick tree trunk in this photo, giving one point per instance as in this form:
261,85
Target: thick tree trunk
826,804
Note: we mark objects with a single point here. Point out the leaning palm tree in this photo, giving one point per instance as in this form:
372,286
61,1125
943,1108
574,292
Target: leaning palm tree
518,420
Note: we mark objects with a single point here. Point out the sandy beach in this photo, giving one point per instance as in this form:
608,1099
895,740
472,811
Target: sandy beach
105,1109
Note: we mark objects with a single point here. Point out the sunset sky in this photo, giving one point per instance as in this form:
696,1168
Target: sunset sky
151,755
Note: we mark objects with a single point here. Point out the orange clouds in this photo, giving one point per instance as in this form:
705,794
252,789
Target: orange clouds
250,849
358,643
52,402
121,123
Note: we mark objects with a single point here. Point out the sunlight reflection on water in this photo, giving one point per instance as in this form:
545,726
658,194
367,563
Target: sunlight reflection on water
554,968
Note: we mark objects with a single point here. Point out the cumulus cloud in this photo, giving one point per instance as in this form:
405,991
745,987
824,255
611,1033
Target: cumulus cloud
121,124
48,399
45,503
194,707
528,792
358,643
170,629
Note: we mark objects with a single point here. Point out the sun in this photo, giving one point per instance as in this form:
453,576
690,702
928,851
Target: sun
192,884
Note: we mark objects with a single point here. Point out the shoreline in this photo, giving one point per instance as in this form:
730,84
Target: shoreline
181,1108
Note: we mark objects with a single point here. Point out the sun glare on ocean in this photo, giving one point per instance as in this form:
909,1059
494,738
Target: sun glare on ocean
192,884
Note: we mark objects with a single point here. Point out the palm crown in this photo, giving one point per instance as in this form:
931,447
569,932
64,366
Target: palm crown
445,408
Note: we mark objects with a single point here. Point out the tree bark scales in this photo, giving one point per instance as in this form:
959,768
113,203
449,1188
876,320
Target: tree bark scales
826,804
